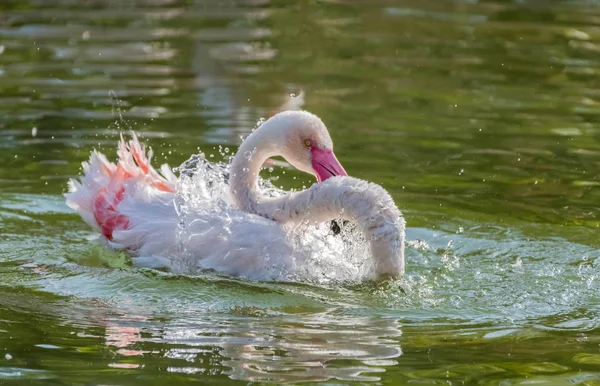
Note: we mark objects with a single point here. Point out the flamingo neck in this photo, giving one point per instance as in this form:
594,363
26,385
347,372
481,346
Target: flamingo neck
244,170
366,204
369,205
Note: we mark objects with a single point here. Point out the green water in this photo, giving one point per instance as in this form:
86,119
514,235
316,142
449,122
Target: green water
480,118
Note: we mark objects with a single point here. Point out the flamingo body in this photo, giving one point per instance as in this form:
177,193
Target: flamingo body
234,225
133,206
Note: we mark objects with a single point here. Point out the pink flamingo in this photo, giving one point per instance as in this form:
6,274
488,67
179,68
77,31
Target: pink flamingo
134,206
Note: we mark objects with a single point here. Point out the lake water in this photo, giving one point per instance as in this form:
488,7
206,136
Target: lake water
480,118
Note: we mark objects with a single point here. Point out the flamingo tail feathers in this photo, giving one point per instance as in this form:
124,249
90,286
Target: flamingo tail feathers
99,194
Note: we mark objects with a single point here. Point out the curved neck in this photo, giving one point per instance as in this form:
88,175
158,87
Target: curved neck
369,205
244,170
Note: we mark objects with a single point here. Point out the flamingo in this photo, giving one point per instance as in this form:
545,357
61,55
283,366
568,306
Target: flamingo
235,225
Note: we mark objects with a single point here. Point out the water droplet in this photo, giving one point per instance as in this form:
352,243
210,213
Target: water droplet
226,150
8,357
34,131
271,169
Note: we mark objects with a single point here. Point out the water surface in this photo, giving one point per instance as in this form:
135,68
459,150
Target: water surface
480,118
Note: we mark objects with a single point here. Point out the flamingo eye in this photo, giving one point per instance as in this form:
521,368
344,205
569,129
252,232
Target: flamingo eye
308,143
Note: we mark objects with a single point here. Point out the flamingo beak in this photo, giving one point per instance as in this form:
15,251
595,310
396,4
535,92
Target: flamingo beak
325,164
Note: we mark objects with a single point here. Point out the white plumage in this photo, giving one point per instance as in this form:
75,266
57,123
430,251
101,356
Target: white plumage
226,219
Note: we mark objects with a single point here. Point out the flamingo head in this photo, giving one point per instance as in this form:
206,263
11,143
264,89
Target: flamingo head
306,144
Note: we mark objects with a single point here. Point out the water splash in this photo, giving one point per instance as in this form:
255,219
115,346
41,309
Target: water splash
320,255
